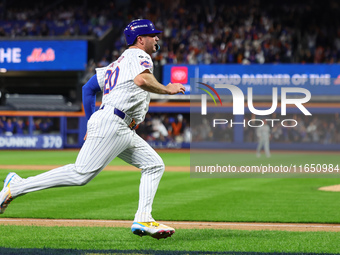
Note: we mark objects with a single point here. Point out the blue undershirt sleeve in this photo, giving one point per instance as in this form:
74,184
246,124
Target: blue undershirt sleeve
89,96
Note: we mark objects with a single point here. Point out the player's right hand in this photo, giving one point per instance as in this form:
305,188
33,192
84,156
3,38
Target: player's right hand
175,88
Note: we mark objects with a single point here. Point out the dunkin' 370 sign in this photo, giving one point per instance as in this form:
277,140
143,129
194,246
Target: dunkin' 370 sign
43,55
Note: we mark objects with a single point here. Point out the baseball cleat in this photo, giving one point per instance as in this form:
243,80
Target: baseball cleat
5,194
153,229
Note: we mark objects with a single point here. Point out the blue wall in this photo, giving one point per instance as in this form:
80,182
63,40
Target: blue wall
43,55
319,79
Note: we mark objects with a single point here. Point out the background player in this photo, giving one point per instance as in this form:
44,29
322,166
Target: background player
126,84
263,136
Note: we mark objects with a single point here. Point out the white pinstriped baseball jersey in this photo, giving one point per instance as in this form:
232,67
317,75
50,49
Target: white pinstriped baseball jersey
109,135
119,89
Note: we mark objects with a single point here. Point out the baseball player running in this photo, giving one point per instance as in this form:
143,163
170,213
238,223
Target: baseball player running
125,84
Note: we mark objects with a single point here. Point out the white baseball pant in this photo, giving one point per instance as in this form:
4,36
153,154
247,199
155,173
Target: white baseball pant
263,143
108,137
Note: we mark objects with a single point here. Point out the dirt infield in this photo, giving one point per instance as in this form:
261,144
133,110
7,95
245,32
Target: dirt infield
333,188
175,224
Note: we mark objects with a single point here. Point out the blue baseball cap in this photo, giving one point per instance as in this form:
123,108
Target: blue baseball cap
139,27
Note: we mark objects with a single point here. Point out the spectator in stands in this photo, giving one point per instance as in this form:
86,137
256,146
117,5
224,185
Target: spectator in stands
312,131
145,128
2,124
167,124
44,29
9,127
177,128
328,133
90,71
36,126
2,32
187,133
277,133
45,125
19,126
159,130
202,132
337,127
103,62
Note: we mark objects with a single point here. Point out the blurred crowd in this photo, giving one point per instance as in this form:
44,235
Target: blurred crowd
174,127
21,126
244,32
59,18
10,126
156,127
203,130
165,128
195,32
320,128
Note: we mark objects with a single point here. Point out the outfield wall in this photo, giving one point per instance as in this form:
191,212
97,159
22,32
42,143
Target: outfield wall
319,79
68,129
58,130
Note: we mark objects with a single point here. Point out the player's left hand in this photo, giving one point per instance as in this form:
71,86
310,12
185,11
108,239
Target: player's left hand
174,88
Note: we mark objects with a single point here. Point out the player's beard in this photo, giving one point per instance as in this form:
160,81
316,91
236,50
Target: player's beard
154,48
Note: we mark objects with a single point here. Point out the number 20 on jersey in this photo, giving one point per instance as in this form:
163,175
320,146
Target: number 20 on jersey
111,78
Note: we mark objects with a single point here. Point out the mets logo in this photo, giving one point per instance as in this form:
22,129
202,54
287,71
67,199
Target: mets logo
146,64
337,80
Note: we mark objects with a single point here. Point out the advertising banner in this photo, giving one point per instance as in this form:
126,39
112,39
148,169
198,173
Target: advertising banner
31,142
43,55
319,79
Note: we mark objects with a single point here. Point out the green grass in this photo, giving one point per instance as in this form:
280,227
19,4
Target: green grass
250,159
176,158
114,195
184,239
64,157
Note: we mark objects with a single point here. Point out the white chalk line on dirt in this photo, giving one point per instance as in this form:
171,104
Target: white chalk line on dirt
176,224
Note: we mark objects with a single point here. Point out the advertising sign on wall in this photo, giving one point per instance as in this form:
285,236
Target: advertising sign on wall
31,142
319,79
43,55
